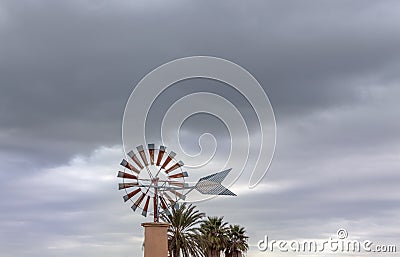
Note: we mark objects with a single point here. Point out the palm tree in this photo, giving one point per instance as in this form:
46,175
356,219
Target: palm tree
183,231
237,241
213,236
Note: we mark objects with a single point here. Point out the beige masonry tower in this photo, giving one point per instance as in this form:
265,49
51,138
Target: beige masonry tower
155,239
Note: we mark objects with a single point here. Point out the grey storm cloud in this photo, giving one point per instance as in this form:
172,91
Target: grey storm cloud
67,68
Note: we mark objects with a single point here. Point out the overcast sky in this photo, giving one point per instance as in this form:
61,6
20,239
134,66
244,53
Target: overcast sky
331,70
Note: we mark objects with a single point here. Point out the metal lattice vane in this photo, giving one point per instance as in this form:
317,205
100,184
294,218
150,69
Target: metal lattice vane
155,181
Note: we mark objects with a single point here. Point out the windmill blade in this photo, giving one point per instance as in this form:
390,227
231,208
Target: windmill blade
142,154
160,154
164,205
138,202
172,201
178,184
169,158
131,194
183,197
126,175
174,167
129,166
151,152
211,185
135,159
127,185
169,197
146,206
179,175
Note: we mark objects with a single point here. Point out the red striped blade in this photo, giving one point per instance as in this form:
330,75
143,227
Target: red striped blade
127,185
160,154
174,167
138,202
126,175
131,194
151,152
129,166
177,194
135,159
146,206
178,184
164,205
168,159
179,175
169,198
142,154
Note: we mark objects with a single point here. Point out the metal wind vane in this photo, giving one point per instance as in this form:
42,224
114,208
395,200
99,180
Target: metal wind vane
154,180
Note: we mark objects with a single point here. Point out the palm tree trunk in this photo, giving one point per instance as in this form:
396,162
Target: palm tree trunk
215,253
176,253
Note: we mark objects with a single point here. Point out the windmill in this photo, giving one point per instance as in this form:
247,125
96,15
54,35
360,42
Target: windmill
154,181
